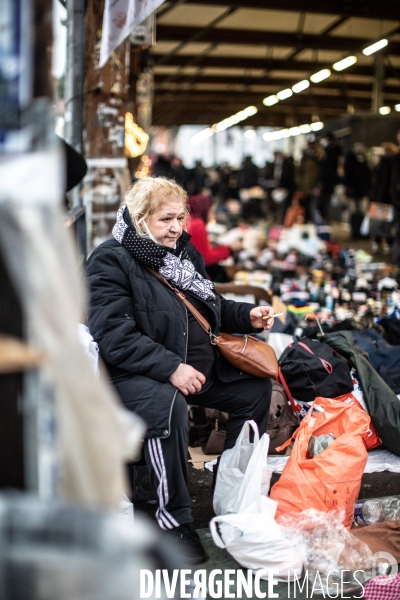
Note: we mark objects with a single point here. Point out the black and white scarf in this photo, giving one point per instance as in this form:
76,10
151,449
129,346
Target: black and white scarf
177,269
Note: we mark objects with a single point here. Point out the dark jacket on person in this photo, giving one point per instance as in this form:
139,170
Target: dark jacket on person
383,175
357,176
247,175
328,177
307,172
286,178
141,328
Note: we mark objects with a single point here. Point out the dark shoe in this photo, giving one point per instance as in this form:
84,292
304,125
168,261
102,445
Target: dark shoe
188,536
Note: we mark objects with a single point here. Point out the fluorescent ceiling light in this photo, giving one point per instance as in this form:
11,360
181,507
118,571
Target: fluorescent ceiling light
375,47
293,131
233,119
250,111
397,108
270,100
302,85
385,110
285,94
317,126
272,135
202,135
320,76
268,137
345,63
249,134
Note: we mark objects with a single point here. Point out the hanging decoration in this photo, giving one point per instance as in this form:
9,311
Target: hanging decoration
135,138
120,18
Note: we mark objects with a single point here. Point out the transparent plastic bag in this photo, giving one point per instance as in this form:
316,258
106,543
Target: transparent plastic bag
329,548
318,444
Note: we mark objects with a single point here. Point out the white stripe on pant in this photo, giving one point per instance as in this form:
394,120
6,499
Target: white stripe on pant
164,518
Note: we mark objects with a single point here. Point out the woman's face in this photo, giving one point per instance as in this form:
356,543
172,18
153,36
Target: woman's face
166,224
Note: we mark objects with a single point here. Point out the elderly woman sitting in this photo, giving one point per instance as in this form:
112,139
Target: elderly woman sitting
156,353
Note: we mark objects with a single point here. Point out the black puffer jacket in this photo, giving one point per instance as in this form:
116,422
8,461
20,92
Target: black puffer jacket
141,328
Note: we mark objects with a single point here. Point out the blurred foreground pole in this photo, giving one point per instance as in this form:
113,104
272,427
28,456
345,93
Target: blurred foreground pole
25,113
75,73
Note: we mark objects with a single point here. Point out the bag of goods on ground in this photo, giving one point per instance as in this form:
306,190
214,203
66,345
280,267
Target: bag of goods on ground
332,479
256,541
243,474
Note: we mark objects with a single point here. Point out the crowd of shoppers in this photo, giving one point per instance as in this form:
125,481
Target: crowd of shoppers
311,184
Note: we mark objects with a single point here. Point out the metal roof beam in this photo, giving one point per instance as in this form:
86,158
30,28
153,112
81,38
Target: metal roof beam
227,62
369,9
196,35
252,81
267,38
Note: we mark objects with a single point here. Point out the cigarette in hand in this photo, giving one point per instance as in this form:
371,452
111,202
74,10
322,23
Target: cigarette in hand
275,315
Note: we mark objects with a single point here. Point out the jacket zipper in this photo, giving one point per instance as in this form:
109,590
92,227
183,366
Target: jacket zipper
186,347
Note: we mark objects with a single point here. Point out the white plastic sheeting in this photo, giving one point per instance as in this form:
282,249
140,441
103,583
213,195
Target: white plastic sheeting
95,435
379,460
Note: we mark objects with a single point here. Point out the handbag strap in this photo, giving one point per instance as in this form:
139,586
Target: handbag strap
199,318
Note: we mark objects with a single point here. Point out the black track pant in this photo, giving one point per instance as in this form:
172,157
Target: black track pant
167,458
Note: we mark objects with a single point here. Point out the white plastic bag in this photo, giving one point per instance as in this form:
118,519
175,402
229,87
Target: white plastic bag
256,541
243,475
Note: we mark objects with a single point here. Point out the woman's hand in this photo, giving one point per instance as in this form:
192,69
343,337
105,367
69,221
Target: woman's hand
261,317
187,379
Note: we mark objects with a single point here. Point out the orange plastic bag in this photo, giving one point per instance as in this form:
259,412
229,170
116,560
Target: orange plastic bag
370,437
331,480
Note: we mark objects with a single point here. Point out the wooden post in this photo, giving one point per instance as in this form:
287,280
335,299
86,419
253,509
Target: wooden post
106,94
106,91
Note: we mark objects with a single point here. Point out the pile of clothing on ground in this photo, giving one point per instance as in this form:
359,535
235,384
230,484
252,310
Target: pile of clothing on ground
336,399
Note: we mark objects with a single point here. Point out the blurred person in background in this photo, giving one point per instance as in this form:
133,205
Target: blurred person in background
382,193
328,175
280,181
357,179
162,167
156,353
179,173
196,180
200,206
307,173
248,174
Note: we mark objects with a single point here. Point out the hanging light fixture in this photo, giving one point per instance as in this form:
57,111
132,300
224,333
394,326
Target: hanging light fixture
301,86
285,94
271,100
345,63
375,47
320,75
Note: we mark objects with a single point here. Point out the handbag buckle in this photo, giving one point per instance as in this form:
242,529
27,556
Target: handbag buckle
212,338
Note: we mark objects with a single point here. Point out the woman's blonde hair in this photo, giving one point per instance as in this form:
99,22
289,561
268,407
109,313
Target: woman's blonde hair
146,196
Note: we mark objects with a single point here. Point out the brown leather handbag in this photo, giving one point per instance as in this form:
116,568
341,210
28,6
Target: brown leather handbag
246,353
